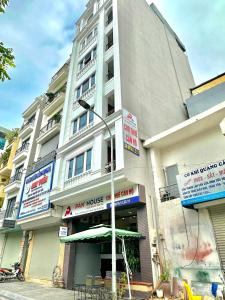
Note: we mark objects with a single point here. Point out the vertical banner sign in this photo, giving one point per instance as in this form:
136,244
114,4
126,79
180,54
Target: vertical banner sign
130,132
35,195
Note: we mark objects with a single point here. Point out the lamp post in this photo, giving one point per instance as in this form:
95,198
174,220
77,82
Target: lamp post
86,106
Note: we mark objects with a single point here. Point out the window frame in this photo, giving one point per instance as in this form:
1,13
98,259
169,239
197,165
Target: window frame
73,161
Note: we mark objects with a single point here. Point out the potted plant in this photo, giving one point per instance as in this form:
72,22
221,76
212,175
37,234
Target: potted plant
165,280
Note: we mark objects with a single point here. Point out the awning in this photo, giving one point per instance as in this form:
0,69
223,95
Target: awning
99,233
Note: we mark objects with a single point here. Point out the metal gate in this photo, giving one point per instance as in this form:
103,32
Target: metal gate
217,214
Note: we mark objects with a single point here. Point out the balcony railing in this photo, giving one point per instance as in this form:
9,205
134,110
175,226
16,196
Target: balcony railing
41,162
85,96
108,167
53,98
109,45
24,147
50,124
169,192
109,76
91,41
61,71
86,68
16,177
27,124
109,20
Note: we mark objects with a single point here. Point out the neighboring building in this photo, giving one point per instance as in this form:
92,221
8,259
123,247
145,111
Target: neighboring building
3,133
186,166
126,61
36,217
15,238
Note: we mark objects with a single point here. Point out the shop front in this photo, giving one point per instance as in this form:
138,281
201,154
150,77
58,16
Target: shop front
43,251
84,258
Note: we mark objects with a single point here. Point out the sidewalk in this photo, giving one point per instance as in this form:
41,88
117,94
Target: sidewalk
16,290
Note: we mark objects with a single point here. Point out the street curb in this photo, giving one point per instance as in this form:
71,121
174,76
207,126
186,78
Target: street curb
14,296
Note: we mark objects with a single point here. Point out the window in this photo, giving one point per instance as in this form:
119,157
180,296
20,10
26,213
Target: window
10,208
88,160
78,92
79,164
75,126
93,79
89,37
95,31
85,86
87,58
83,121
70,170
109,17
82,44
91,116
94,52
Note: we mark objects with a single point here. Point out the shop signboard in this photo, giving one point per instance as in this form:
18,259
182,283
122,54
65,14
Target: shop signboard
130,132
203,184
36,190
63,231
123,197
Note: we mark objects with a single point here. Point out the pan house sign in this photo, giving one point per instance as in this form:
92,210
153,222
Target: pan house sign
202,184
130,132
35,195
124,197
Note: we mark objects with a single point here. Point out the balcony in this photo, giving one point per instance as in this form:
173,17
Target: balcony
88,66
5,169
50,130
85,96
54,103
14,183
26,129
59,78
76,180
169,192
8,218
88,44
21,153
41,162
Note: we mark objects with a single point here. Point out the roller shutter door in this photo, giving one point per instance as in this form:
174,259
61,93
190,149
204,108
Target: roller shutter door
217,214
12,249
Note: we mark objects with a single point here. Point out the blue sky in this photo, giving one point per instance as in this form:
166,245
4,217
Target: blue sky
41,34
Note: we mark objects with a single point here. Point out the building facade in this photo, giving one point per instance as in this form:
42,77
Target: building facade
186,164
124,67
36,216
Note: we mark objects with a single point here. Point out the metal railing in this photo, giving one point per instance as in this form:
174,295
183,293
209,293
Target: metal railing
16,177
41,162
27,124
108,167
109,76
169,192
50,124
54,98
24,147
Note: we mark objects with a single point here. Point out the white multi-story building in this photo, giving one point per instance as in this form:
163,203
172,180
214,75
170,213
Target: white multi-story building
125,58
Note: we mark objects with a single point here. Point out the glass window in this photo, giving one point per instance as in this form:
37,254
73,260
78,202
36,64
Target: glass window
79,164
85,86
93,79
10,208
78,92
70,170
74,126
89,37
83,121
91,116
87,58
88,161
94,52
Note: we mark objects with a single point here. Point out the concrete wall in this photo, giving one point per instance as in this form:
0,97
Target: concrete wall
205,100
155,74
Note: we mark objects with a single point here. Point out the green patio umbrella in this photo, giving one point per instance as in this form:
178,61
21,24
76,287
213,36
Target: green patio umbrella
100,232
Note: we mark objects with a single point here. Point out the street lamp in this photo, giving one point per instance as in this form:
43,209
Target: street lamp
86,106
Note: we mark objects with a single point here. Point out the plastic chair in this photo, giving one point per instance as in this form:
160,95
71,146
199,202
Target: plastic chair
189,292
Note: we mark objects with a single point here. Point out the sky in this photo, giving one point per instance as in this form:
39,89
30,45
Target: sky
41,34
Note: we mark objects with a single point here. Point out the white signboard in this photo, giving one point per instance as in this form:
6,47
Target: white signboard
63,231
130,132
202,184
124,197
35,195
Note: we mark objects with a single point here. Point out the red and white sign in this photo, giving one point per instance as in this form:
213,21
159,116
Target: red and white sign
122,198
130,132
